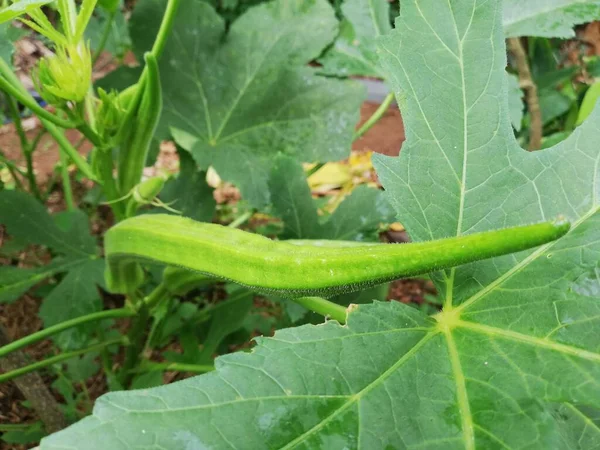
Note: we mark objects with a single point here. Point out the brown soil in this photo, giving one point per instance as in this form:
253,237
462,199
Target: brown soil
46,156
386,136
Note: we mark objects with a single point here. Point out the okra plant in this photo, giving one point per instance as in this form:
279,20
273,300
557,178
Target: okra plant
510,238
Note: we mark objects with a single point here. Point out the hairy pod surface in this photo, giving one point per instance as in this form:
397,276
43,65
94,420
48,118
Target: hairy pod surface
296,270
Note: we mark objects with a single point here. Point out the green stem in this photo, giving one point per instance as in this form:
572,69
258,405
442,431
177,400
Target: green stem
165,28
25,147
26,99
135,336
177,367
105,36
65,146
375,117
109,186
13,169
67,188
56,359
242,219
92,136
37,139
323,307
157,49
315,169
159,294
55,329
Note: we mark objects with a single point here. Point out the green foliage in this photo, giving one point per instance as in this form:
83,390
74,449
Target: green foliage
8,36
355,49
224,91
513,359
189,193
515,102
548,18
358,218
118,40
19,8
66,234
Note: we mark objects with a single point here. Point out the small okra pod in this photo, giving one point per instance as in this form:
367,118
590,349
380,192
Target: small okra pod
294,270
135,145
144,193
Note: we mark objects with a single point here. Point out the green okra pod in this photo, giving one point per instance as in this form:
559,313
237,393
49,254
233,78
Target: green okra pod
296,270
137,139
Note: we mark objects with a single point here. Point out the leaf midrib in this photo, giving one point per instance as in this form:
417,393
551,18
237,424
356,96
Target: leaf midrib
356,397
522,264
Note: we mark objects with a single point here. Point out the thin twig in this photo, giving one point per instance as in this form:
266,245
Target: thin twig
25,146
532,98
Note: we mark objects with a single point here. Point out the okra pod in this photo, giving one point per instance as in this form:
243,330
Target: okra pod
134,148
296,270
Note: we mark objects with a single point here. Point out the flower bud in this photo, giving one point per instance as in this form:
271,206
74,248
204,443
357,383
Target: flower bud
66,76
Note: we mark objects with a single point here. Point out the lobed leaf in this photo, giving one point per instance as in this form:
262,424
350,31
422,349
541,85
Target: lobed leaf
234,99
27,219
513,361
67,234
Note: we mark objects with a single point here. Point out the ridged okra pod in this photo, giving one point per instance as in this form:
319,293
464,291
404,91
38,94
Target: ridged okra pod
139,129
292,269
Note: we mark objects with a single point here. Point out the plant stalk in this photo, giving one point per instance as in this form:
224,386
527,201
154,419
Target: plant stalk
165,28
159,294
533,102
27,100
25,146
371,121
50,331
13,169
136,337
241,220
65,146
377,115
66,181
323,307
177,367
58,358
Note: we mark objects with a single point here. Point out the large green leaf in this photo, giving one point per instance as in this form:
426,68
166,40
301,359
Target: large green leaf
235,99
27,220
548,18
516,342
355,50
67,234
